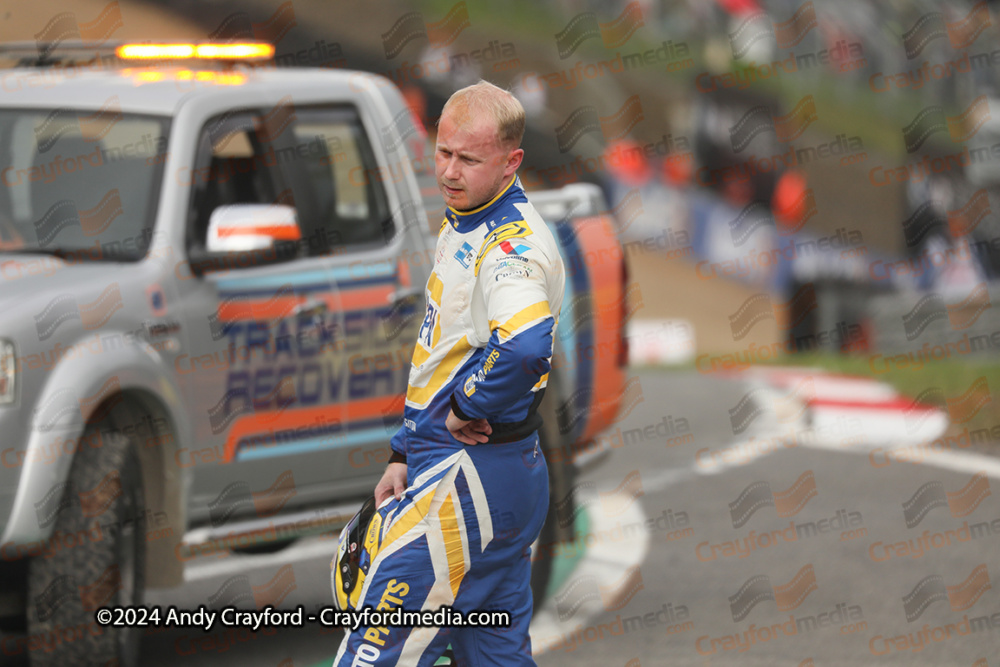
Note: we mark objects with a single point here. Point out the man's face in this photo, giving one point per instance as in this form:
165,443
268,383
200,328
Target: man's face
470,165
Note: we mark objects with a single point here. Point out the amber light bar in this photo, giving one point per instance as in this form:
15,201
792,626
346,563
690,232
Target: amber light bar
235,51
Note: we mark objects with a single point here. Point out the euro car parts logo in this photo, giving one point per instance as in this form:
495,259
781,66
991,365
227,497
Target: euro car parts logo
412,26
92,128
759,26
759,119
931,120
91,315
933,589
65,25
785,503
787,408
760,307
237,498
586,119
932,307
237,592
959,503
758,588
587,588
238,26
586,26
961,34
65,214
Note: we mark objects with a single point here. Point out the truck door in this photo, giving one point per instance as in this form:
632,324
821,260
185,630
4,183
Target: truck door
364,228
297,380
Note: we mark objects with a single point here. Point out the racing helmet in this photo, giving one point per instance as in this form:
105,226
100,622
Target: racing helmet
356,549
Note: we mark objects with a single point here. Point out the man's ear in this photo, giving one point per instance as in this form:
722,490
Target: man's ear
514,159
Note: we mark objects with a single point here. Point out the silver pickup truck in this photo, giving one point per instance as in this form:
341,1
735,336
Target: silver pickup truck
211,279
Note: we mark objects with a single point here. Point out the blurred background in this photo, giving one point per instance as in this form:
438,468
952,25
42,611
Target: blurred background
804,195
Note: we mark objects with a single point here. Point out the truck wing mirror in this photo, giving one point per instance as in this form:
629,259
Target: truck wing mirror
242,235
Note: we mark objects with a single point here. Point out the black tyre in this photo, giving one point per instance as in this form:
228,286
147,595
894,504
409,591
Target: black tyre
96,559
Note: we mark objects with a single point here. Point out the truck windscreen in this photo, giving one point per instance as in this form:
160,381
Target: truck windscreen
80,183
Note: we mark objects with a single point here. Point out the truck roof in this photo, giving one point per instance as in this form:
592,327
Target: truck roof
156,90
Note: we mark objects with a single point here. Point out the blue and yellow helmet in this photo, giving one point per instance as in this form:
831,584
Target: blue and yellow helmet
356,548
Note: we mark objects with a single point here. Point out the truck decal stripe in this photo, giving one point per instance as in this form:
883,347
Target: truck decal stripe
240,308
273,421
357,434
355,274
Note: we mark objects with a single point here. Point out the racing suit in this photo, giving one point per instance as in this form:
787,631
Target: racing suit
461,533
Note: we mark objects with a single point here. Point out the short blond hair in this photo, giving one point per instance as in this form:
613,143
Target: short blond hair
501,105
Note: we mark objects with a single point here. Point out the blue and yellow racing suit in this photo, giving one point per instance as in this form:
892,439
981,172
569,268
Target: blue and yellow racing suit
461,534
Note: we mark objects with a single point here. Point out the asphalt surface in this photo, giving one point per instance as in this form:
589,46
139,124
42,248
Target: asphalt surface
689,589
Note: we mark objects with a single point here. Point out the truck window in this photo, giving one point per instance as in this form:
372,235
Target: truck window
80,182
338,175
234,165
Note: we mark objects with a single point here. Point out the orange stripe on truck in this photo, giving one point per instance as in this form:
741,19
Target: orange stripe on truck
292,418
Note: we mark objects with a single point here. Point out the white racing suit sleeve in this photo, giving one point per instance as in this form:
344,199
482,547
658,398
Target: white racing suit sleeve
517,358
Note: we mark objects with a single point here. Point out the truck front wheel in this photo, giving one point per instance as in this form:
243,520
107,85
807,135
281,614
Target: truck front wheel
95,558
